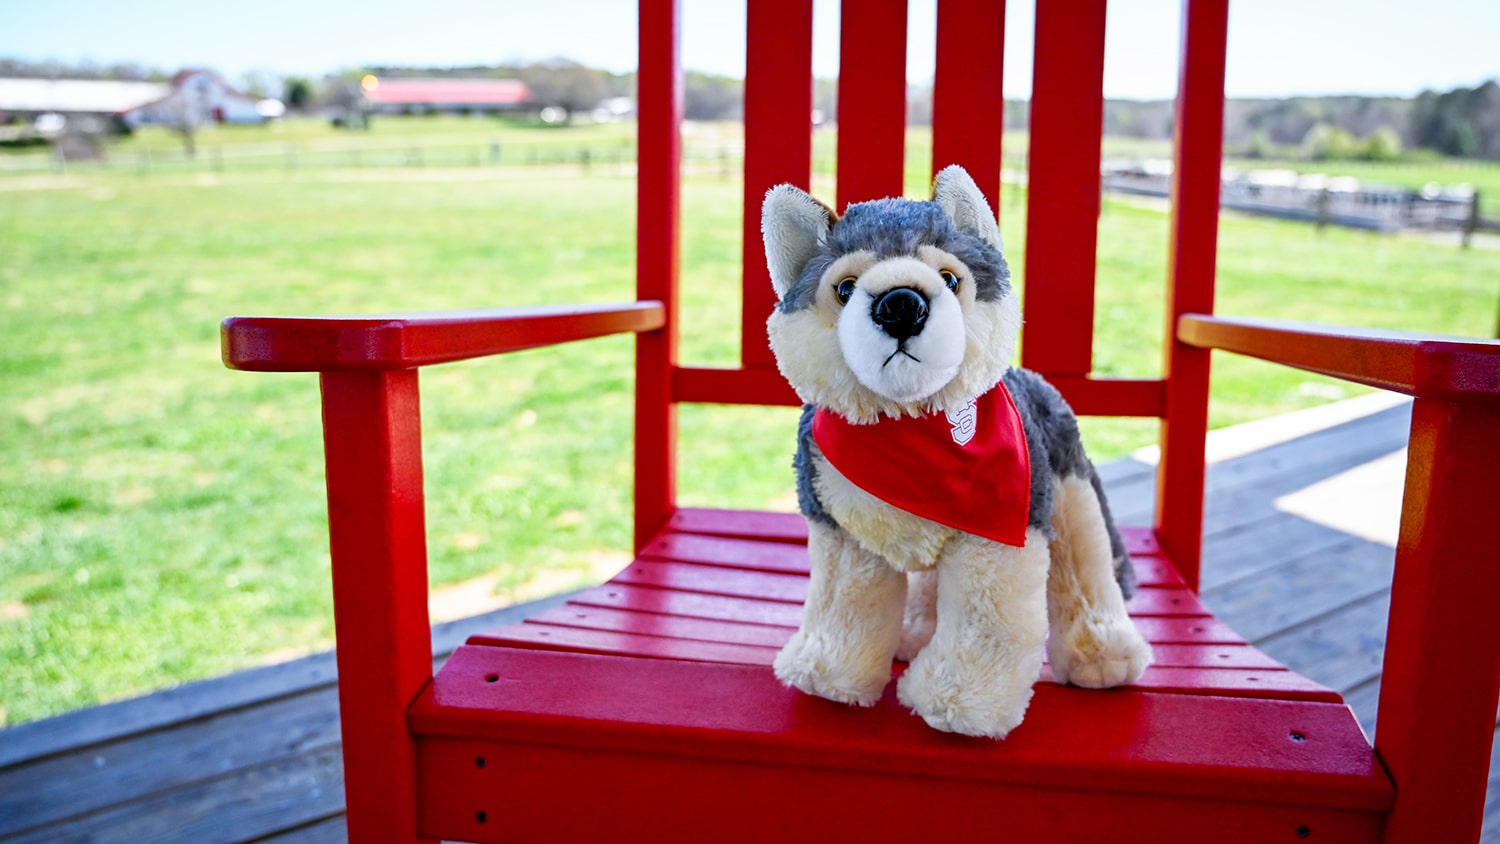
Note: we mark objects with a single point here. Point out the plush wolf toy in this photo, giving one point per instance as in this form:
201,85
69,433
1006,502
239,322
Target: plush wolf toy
953,518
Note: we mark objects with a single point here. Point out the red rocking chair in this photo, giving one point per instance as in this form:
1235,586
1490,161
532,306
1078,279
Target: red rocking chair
646,708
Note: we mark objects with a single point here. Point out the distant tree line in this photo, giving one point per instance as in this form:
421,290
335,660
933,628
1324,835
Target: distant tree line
1461,122
1464,121
122,71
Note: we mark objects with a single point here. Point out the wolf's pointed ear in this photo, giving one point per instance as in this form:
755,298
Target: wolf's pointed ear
793,224
962,200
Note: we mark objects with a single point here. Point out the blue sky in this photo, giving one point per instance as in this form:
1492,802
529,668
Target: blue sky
1277,47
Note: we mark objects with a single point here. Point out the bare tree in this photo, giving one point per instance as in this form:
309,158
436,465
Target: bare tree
565,84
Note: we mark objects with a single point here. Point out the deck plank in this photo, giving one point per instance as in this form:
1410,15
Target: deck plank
1243,486
113,721
1258,546
134,753
1304,587
1342,649
243,805
1491,834
78,784
96,725
329,830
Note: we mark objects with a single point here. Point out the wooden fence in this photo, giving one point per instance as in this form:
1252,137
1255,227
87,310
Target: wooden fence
1340,201
293,156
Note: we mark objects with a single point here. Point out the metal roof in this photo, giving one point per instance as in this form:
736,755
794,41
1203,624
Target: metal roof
448,91
102,96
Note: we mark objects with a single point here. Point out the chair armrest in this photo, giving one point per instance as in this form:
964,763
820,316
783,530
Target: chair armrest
404,341
1448,368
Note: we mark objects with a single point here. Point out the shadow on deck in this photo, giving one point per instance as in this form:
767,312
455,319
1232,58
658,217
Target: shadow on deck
256,755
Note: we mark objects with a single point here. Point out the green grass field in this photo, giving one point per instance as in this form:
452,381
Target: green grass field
162,518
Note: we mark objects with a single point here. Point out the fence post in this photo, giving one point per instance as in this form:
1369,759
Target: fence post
1325,199
1472,223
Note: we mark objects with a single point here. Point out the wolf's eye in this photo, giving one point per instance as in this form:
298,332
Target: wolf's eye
845,289
949,279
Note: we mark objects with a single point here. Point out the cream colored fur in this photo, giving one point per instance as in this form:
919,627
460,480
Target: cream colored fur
977,614
851,622
821,376
935,354
975,676
907,542
1092,642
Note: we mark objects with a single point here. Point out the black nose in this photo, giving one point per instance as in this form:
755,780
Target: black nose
900,312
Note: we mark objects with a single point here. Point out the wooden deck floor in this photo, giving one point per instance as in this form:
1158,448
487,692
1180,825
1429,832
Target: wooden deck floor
255,756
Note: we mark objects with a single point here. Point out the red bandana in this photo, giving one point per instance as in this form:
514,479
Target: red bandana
968,468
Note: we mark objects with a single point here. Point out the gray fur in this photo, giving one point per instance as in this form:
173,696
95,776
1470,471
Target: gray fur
894,227
1036,412
807,472
1056,447
1049,420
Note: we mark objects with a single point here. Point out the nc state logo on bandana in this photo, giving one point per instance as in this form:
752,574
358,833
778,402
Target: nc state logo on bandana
968,468
965,421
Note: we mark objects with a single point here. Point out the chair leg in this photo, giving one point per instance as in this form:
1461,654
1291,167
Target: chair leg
1442,661
372,445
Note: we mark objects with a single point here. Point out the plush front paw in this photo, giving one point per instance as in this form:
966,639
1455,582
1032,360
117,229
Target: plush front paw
810,664
1098,654
987,701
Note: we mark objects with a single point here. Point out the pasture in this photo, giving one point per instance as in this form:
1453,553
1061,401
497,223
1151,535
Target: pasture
162,519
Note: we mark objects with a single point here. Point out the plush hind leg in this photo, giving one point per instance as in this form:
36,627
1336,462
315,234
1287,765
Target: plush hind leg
851,622
919,621
1092,641
976,674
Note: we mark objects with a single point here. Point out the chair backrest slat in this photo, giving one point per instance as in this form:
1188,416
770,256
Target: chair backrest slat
872,100
1067,116
778,144
1198,142
968,107
657,260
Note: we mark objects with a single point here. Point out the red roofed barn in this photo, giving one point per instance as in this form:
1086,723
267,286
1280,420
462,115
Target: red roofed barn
469,96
